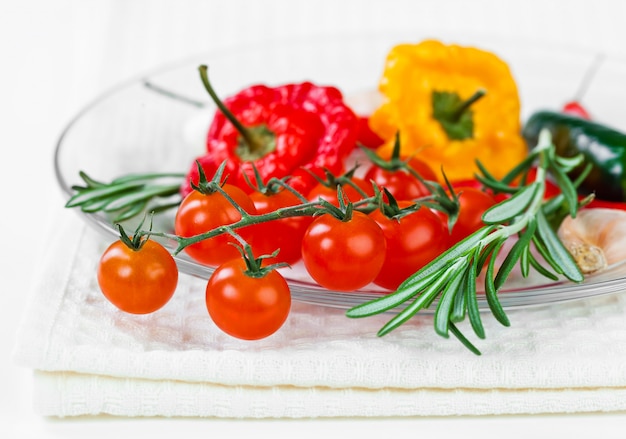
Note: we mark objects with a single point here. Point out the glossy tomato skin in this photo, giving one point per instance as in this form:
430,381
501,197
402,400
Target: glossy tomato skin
366,136
343,255
472,204
412,242
401,183
199,213
245,307
137,281
283,234
459,185
330,194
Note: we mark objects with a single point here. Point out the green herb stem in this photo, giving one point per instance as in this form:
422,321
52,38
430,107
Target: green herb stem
449,275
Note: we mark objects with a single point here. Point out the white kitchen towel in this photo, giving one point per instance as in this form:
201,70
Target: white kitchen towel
89,358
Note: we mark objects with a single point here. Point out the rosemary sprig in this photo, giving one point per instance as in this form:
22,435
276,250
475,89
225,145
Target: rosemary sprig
127,196
450,280
452,277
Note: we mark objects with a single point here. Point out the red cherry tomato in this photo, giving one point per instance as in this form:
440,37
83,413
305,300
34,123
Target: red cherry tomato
366,136
412,241
343,255
330,194
470,182
402,184
458,185
137,281
199,213
283,234
247,307
472,204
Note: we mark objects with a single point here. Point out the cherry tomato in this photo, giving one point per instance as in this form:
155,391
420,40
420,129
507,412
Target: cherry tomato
330,194
137,281
246,307
469,182
401,183
472,204
412,241
459,185
366,136
343,255
199,213
284,234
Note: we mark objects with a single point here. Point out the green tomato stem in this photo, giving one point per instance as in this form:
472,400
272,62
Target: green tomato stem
307,209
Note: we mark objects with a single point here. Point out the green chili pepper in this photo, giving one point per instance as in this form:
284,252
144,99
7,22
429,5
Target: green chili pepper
602,146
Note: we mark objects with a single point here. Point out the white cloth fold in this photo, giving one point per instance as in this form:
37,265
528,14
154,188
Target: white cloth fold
90,358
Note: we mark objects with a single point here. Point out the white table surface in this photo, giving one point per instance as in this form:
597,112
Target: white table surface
58,55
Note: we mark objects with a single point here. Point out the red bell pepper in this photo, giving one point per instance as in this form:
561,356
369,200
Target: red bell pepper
291,130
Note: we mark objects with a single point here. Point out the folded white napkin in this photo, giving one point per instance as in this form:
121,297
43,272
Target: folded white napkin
90,358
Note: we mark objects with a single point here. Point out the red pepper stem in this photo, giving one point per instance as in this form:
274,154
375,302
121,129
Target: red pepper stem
245,133
458,112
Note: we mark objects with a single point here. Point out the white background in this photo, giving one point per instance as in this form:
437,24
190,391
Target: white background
58,55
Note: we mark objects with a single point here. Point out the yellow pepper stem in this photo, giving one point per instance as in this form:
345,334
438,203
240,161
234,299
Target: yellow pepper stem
458,112
454,114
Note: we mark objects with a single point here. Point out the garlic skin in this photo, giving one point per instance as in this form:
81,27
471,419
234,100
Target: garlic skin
596,238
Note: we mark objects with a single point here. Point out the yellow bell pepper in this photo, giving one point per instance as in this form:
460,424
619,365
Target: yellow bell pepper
451,105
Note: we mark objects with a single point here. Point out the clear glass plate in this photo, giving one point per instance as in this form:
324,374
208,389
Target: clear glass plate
137,128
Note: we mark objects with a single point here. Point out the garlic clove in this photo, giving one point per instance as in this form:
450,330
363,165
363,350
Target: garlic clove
596,238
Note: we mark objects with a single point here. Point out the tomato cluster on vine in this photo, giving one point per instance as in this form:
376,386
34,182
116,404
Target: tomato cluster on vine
348,232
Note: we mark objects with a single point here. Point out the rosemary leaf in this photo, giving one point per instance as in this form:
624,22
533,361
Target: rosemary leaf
142,195
100,192
485,253
514,254
496,185
543,251
524,262
540,268
511,207
492,292
569,163
392,300
425,297
567,189
472,301
558,252
145,178
442,314
459,309
95,205
450,255
455,331
91,183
